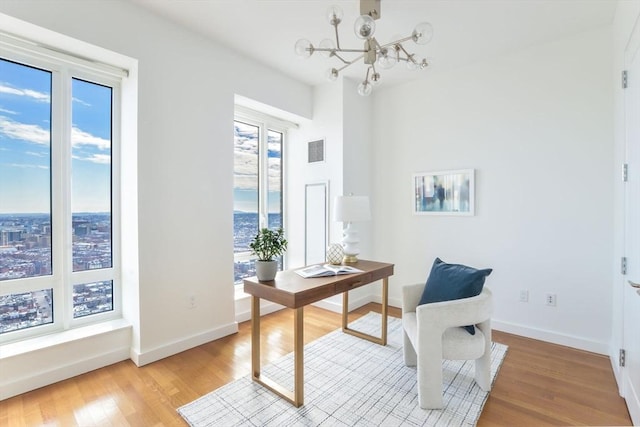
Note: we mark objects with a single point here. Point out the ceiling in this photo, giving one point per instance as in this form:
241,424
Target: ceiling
465,31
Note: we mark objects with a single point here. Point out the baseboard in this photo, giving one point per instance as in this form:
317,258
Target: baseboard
265,308
146,357
59,373
615,367
539,334
551,336
633,401
336,307
392,302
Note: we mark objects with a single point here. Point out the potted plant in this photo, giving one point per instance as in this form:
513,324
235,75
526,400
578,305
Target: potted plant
268,245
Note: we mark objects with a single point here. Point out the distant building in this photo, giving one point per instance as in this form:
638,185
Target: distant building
10,235
81,227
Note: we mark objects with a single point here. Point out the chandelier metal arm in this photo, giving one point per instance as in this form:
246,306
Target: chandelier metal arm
335,26
350,63
402,40
341,58
409,55
327,49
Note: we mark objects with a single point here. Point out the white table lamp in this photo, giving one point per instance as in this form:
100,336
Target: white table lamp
350,209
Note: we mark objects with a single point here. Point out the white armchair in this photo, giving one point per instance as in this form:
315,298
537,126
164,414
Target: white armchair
432,333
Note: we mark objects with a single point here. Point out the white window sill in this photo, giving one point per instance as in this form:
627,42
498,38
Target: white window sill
239,294
59,338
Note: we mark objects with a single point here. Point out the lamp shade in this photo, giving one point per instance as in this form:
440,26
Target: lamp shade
351,209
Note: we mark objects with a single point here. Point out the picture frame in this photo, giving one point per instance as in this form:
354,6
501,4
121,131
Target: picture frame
444,192
316,219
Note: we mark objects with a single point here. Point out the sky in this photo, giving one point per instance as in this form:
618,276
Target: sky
245,168
25,142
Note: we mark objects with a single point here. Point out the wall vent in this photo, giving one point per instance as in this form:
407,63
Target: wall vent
316,151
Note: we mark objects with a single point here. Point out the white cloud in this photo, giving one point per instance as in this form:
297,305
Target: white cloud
23,131
103,159
81,102
26,166
245,166
249,146
33,153
245,169
38,96
39,135
80,137
245,182
275,174
4,110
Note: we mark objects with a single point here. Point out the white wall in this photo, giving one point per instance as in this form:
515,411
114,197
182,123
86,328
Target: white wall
327,124
537,127
343,119
358,148
185,178
358,174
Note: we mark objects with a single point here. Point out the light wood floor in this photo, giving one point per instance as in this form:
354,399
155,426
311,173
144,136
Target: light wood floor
538,384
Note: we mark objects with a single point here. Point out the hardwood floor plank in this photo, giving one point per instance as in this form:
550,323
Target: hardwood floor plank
539,384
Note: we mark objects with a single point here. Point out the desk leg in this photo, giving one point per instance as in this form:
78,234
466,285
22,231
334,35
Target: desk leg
297,396
382,340
385,307
255,337
298,354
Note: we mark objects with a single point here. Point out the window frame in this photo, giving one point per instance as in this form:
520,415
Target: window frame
64,69
264,123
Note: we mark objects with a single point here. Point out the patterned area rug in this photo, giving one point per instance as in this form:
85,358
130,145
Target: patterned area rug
348,381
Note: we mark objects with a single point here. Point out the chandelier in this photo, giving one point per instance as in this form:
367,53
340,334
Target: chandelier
373,53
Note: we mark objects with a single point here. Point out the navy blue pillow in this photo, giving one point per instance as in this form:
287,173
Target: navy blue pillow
448,282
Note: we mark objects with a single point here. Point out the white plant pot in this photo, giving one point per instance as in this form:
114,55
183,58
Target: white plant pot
266,270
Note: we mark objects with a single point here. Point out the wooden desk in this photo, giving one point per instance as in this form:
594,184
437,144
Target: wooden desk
294,291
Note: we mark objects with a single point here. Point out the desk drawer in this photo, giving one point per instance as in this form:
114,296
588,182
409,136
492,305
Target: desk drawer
353,282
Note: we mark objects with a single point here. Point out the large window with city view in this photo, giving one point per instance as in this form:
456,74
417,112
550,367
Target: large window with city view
56,194
257,188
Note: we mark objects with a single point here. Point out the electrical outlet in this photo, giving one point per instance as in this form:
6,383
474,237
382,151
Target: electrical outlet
550,299
192,301
524,295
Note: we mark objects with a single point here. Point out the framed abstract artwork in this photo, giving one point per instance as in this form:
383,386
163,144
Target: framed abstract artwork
444,193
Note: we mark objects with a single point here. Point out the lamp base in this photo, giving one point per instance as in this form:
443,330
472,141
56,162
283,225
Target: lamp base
349,259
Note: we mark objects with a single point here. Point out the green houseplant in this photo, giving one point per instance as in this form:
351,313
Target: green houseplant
268,245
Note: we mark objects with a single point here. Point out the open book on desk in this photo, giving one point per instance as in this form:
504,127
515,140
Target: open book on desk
327,270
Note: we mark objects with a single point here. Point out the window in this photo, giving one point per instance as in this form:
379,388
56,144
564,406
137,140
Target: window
59,208
257,186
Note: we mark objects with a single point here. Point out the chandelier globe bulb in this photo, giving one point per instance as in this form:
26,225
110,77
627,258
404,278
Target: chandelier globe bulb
422,33
375,79
334,14
303,48
387,59
411,65
327,44
331,74
364,88
364,27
